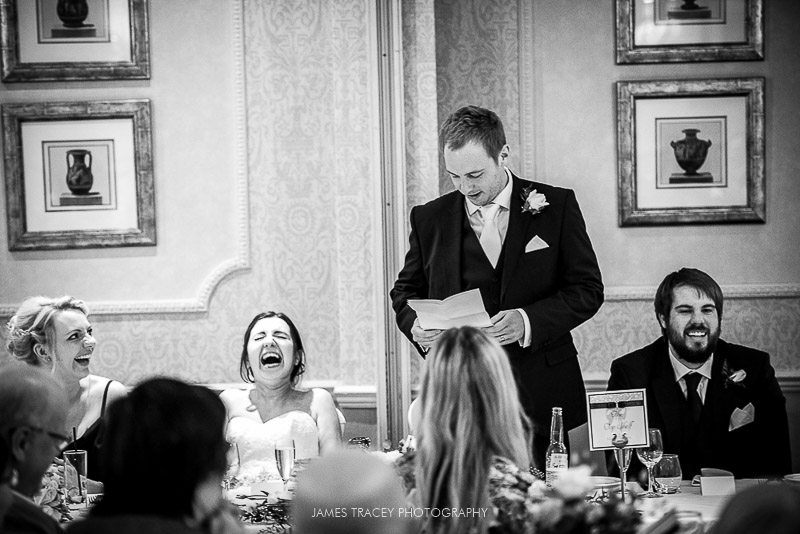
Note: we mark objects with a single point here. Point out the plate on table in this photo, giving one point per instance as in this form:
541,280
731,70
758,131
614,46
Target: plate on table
604,482
794,478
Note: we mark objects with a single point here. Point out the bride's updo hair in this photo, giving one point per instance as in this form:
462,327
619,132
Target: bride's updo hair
33,325
246,372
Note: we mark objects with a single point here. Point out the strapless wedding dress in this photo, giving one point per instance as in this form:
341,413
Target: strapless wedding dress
255,442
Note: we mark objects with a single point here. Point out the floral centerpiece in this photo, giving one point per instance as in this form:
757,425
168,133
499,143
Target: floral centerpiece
52,496
268,511
523,503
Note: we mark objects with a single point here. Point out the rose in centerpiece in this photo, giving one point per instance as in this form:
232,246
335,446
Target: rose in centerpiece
51,497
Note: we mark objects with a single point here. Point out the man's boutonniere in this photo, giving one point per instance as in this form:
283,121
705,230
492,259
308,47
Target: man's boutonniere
733,378
533,202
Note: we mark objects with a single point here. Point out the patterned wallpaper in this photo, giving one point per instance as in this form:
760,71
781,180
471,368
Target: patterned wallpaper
313,195
314,207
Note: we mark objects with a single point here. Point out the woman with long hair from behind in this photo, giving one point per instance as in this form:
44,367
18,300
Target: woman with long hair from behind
471,418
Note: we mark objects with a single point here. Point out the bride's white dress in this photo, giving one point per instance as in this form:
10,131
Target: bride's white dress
255,440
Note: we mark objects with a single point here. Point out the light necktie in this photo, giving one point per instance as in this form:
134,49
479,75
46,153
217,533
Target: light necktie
693,397
490,235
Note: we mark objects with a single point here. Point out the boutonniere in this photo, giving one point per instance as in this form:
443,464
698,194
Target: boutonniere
733,378
533,202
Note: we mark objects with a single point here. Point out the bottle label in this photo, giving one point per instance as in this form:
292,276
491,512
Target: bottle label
556,464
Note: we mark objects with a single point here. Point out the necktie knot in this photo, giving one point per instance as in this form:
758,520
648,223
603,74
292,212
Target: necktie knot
692,381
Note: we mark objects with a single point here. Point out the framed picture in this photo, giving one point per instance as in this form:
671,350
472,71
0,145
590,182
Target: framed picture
691,151
674,31
79,175
53,40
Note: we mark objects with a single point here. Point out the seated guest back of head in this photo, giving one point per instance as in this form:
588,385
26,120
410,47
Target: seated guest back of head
349,481
715,403
770,508
471,423
276,410
56,334
32,415
164,458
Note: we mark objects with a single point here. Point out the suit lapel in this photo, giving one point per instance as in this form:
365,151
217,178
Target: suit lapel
450,228
666,392
518,224
715,393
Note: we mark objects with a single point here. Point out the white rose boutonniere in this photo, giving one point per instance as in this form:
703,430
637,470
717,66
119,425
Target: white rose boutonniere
533,202
733,378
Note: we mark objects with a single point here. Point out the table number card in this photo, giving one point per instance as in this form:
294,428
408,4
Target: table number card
613,414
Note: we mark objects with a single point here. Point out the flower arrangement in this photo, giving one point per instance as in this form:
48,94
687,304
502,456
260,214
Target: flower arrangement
533,202
523,503
52,496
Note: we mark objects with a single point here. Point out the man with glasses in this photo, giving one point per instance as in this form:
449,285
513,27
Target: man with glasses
33,414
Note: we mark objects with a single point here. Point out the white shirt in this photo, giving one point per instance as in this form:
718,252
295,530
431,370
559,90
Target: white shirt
503,199
681,371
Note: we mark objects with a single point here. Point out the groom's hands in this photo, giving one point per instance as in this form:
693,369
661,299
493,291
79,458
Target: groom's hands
507,327
424,338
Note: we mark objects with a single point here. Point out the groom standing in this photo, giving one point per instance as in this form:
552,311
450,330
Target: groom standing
524,246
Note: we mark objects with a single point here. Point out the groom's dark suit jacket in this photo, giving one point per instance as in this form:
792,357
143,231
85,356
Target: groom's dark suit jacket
760,448
558,287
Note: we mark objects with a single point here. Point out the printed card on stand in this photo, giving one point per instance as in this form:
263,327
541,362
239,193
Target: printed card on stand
617,414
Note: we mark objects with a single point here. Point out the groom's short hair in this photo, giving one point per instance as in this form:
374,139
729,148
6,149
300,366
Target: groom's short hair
473,123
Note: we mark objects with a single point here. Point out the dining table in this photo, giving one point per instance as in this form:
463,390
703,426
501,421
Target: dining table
690,500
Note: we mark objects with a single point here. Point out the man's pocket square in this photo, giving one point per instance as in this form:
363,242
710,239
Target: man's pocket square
741,417
537,243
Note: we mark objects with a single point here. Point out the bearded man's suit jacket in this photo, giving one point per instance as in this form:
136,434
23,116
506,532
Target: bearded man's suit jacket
759,448
558,287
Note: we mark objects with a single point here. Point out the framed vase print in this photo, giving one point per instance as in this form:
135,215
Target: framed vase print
57,40
691,151
78,175
675,31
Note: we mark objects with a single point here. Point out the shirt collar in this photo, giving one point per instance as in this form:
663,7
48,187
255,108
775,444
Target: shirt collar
681,370
503,198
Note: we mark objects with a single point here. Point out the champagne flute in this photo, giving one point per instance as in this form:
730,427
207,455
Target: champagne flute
650,456
284,459
233,460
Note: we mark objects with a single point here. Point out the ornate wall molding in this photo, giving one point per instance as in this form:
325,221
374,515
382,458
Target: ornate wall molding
241,262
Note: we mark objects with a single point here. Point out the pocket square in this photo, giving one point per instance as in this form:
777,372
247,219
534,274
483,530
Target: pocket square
742,417
536,243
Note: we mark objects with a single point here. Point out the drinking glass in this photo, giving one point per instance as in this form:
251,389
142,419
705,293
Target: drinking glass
668,474
650,456
75,476
284,459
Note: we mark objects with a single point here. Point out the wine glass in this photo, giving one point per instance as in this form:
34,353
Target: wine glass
284,459
650,456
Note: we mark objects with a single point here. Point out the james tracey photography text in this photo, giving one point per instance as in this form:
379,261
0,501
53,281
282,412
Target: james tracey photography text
399,512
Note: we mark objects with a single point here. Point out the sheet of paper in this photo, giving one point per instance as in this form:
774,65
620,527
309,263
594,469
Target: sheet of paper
461,309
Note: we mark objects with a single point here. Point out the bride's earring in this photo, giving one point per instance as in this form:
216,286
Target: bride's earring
14,477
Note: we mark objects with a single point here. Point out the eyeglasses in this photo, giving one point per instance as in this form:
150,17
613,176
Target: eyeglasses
61,441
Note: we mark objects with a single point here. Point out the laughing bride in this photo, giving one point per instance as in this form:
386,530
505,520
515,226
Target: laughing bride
276,410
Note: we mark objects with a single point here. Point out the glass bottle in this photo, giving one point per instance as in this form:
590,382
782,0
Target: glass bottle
556,457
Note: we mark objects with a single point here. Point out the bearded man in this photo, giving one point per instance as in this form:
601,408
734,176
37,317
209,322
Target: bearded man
717,404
